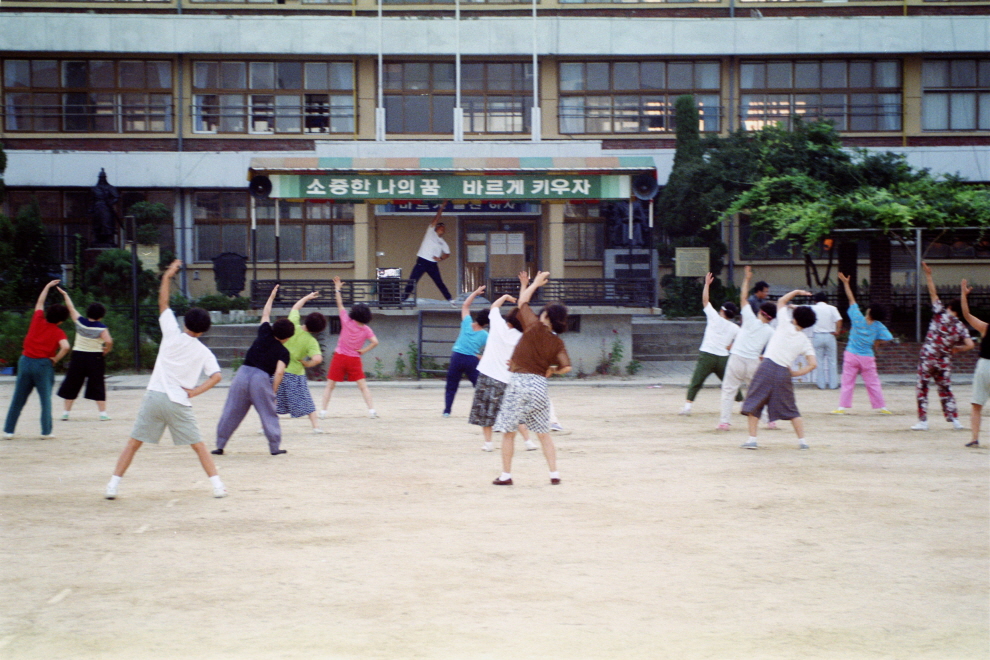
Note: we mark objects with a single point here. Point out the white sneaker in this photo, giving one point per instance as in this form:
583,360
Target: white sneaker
219,491
65,417
317,431
111,492
749,444
50,436
488,447
803,445
685,411
530,445
956,426
7,436
372,414
103,417
556,427
920,426
322,414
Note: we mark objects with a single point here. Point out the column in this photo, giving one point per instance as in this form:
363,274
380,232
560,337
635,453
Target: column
362,243
555,239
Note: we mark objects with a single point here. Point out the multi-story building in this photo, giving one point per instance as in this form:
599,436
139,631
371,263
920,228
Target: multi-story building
179,100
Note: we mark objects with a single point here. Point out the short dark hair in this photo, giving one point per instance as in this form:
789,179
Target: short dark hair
770,309
557,315
198,320
481,317
513,319
730,309
56,313
315,322
804,316
283,329
96,311
955,305
361,313
878,313
821,296
760,286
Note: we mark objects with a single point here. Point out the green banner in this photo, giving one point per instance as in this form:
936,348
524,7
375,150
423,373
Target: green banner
394,187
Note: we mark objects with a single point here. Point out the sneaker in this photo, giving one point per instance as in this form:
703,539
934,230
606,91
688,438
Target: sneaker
974,443
749,444
556,427
219,491
684,411
920,426
7,436
838,411
488,447
772,426
372,414
956,426
103,417
722,427
803,445
65,417
530,445
111,492
48,436
883,411
217,452
317,431
499,482
446,414
322,414
453,303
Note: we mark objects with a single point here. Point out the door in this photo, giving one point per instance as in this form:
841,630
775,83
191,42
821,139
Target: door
496,248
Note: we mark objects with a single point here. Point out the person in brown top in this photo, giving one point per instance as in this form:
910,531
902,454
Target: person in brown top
539,354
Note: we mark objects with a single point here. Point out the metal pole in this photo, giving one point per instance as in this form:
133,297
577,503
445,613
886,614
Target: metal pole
134,294
380,109
917,284
254,239
278,254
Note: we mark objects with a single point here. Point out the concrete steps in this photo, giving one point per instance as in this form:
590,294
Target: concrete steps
231,341
666,340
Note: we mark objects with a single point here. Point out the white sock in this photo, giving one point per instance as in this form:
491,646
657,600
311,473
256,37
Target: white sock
505,476
752,439
687,406
555,475
215,480
114,480
371,411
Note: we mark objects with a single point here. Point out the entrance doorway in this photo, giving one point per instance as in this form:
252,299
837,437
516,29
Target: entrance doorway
496,247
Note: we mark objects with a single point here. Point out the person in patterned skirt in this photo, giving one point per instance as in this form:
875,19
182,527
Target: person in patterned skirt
293,397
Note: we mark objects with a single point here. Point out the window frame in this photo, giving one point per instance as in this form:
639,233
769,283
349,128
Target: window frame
950,91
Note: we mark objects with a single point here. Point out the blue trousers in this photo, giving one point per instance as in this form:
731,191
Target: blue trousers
32,373
460,365
426,267
250,387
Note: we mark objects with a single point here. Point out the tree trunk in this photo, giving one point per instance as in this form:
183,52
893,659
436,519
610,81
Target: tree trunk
848,255
881,290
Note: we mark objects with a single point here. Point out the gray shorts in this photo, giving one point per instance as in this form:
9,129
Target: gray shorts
981,382
157,413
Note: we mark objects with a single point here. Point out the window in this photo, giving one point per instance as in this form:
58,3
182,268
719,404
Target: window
955,95
635,97
496,97
273,97
88,96
584,233
856,95
308,231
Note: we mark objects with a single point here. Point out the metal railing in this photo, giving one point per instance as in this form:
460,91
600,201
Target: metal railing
386,292
592,292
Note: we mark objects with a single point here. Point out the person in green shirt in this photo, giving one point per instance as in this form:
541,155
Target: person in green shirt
293,396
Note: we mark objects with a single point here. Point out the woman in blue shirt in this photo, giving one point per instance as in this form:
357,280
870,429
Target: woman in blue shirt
467,349
858,358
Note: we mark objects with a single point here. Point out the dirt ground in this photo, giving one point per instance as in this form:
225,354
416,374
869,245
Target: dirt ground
386,539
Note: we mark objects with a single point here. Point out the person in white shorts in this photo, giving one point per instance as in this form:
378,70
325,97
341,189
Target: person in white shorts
182,357
981,377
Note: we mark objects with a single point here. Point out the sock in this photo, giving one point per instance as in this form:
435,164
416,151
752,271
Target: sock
505,476
687,406
371,411
752,439
555,475
114,480
801,441
215,480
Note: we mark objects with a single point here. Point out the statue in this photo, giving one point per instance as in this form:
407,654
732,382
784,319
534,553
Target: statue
105,220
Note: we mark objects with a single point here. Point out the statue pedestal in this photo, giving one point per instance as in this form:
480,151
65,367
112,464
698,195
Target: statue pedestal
90,255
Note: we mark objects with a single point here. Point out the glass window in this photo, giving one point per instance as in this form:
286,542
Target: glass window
955,94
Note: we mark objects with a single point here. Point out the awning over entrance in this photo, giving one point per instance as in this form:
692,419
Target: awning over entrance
474,179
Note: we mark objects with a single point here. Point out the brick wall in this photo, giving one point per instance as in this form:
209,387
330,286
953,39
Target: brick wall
903,358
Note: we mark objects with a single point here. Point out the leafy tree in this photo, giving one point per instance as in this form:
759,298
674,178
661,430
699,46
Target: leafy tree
111,276
26,263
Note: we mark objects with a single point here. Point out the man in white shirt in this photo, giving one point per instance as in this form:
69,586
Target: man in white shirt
720,332
744,357
773,385
828,325
432,251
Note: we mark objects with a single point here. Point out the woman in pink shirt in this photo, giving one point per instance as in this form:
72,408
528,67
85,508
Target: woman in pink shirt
356,339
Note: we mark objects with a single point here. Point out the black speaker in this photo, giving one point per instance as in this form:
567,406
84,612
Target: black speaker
645,186
260,186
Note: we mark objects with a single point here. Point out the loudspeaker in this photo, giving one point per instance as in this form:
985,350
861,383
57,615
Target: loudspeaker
260,186
645,186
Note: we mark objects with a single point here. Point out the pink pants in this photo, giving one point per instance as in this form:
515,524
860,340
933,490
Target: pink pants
866,367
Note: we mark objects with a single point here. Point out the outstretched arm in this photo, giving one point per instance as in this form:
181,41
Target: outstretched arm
981,326
40,305
73,314
540,279
266,313
709,278
787,297
523,281
305,299
466,307
745,287
337,285
164,289
932,292
436,218
849,292
501,301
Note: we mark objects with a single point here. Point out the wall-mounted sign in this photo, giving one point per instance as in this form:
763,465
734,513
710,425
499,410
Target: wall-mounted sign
691,262
392,187
487,208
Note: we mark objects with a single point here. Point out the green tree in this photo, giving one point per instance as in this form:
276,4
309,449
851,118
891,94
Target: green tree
26,262
111,276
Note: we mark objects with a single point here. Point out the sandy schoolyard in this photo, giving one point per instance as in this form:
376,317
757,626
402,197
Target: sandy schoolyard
386,539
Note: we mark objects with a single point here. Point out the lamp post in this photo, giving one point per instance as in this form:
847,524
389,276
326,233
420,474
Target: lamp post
130,225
